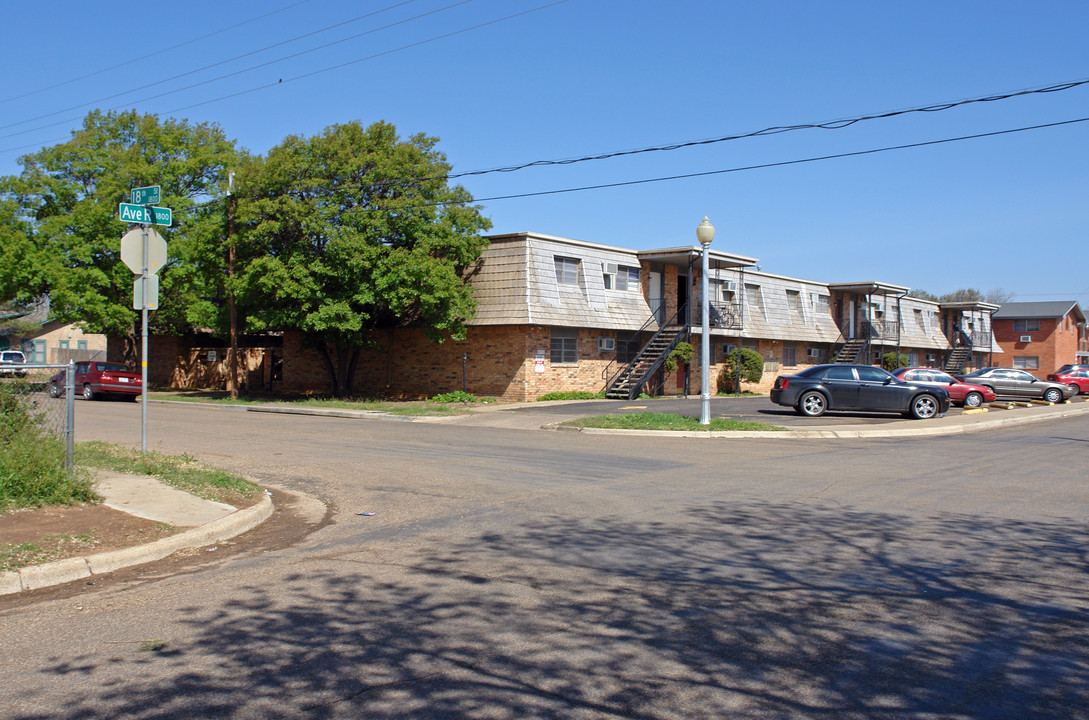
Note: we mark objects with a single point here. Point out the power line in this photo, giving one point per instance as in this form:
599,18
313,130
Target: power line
776,130
152,54
783,163
229,60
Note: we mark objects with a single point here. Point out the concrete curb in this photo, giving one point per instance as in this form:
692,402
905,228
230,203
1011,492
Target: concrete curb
33,577
849,432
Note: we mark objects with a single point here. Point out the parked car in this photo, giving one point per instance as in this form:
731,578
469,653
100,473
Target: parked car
1010,382
100,379
1067,368
12,357
857,387
960,393
1078,379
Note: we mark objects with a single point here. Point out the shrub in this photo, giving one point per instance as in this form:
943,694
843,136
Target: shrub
740,364
457,397
891,361
32,467
681,355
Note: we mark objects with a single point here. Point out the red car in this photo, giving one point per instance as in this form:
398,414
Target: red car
960,393
99,379
1078,379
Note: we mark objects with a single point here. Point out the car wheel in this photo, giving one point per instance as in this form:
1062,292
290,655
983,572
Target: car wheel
1053,395
1075,388
812,404
973,400
88,393
924,406
54,390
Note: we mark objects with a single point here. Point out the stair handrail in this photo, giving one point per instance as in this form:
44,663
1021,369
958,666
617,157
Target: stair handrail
632,363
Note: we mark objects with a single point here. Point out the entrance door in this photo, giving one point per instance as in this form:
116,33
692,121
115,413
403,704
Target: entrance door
657,304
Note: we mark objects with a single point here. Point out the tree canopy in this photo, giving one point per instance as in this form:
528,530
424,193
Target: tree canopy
353,230
61,229
996,296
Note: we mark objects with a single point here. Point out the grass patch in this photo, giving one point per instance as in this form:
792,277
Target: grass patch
179,471
574,395
438,405
43,550
667,421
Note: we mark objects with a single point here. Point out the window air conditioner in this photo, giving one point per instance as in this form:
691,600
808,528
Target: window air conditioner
729,286
610,268
606,344
1025,338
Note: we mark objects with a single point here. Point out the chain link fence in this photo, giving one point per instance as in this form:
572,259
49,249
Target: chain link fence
46,393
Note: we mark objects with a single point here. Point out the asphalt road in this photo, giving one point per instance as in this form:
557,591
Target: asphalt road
512,573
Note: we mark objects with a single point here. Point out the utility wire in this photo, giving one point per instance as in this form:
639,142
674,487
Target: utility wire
152,54
829,125
783,163
236,72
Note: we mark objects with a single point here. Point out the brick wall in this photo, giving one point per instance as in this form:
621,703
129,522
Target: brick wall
1055,343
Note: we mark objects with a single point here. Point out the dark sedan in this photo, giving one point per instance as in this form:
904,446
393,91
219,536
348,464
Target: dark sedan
1014,383
856,387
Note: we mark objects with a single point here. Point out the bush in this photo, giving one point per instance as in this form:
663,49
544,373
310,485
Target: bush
32,468
681,355
750,364
891,361
457,397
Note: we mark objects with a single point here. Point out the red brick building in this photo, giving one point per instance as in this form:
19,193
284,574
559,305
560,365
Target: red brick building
1040,336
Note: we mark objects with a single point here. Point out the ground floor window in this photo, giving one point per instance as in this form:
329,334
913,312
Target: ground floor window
564,347
1027,363
37,351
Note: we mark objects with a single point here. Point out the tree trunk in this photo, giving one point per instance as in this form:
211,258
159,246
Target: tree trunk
340,364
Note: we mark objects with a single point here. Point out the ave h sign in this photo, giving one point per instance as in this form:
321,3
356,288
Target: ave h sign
147,216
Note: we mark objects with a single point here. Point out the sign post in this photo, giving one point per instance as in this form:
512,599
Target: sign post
144,251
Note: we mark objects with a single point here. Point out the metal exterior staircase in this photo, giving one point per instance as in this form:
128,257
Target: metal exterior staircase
850,351
960,354
631,379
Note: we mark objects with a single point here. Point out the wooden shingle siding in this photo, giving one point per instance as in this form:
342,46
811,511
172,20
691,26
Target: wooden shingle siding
809,324
541,299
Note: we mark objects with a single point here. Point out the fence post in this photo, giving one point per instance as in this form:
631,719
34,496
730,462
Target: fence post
70,416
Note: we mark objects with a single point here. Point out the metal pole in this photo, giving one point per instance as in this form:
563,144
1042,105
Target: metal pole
143,344
70,416
705,349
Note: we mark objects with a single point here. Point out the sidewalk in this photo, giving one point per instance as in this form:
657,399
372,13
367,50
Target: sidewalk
210,522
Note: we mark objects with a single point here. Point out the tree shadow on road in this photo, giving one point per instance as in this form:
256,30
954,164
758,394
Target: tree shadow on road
738,610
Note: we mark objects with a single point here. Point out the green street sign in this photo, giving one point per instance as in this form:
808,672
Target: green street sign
150,195
139,214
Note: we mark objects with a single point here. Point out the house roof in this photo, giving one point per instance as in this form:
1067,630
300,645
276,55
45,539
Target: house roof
1047,309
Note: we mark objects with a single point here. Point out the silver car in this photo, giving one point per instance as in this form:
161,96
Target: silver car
1013,383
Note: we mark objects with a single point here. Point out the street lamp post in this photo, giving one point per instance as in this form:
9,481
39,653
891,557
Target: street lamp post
705,233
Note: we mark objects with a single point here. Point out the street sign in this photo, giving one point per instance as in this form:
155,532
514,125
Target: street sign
132,251
151,302
146,195
147,216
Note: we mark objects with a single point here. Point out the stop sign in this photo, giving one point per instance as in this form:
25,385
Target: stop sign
132,250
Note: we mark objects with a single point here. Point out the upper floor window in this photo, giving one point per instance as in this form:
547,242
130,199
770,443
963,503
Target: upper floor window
627,278
1026,325
823,304
567,270
794,305
754,298
920,321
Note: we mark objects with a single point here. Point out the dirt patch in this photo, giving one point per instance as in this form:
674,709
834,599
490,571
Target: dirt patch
29,537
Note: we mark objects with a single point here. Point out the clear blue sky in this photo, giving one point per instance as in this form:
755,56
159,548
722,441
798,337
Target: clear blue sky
585,77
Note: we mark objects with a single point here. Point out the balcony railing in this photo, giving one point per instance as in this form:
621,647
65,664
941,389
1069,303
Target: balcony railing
880,329
721,315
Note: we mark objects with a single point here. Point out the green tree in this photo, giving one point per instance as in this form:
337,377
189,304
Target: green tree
891,361
352,231
66,233
741,364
